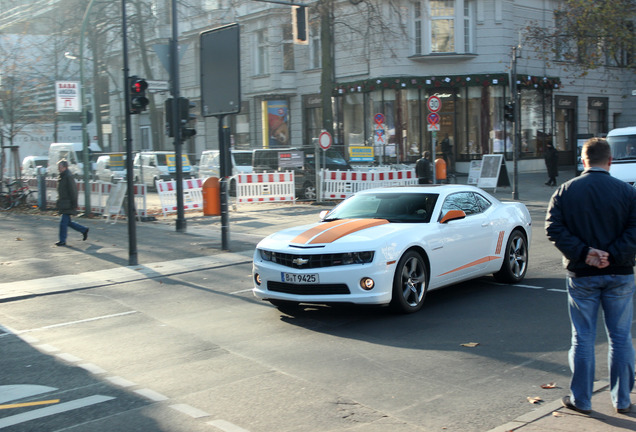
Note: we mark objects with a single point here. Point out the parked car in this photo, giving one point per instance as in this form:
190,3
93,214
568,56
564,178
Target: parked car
392,245
74,154
150,166
210,165
111,168
30,165
302,162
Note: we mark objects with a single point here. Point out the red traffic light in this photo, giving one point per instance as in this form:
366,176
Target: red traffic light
139,86
138,100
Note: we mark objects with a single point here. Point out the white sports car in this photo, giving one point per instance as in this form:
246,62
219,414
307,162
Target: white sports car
392,245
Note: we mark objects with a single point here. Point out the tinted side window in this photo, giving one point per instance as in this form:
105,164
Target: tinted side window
462,201
484,204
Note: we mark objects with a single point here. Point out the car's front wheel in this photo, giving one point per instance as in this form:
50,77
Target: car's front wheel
515,263
410,283
309,191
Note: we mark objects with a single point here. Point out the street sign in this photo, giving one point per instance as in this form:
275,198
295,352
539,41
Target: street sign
379,118
433,127
324,140
434,104
433,118
158,86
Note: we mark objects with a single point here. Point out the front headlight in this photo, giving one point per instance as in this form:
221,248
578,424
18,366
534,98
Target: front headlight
267,255
357,257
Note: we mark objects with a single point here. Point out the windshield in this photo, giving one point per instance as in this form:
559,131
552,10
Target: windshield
243,159
395,207
623,147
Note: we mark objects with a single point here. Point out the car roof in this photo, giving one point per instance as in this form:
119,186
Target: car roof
445,189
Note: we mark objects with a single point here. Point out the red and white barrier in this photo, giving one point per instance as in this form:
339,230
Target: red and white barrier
192,195
265,187
343,184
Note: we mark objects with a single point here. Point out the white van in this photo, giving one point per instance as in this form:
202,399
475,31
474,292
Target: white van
111,168
150,166
74,154
210,163
623,144
30,165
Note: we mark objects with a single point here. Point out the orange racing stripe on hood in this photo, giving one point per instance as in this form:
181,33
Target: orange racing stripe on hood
332,231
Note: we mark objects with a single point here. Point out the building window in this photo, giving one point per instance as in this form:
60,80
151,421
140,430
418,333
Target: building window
315,53
261,65
597,116
288,48
447,27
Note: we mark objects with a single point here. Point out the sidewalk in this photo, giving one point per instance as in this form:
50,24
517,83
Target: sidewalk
31,265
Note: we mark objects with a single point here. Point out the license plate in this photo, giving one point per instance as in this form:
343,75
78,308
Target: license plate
311,278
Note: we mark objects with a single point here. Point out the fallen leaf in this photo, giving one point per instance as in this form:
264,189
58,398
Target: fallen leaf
18,239
549,386
557,414
534,400
470,344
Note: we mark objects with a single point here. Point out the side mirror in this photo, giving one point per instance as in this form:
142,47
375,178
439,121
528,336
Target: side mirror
452,215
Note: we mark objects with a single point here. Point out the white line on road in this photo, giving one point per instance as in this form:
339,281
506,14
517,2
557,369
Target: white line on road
190,410
121,382
557,290
69,358
52,410
241,291
76,322
226,426
92,368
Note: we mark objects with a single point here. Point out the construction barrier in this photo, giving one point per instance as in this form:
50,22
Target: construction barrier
265,187
343,184
192,196
100,191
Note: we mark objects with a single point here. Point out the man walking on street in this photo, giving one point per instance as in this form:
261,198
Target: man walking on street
67,203
423,169
592,220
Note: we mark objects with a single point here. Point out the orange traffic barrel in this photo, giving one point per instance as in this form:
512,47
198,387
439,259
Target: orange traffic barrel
440,169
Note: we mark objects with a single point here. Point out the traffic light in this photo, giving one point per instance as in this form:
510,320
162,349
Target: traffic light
299,24
138,99
185,117
168,111
509,111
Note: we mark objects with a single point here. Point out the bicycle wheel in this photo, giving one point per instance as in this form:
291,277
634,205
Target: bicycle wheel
5,201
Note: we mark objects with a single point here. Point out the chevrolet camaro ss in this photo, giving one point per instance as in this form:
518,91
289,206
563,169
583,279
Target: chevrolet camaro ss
392,245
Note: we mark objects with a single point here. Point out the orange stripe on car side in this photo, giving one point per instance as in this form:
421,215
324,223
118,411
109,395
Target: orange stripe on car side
352,226
313,232
500,242
474,263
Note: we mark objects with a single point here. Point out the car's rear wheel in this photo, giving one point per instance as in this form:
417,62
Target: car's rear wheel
410,283
515,263
309,191
285,305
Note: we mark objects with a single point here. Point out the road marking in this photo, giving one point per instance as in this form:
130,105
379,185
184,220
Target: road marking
226,426
152,395
21,391
190,410
52,410
76,322
557,290
47,348
27,404
241,291
69,357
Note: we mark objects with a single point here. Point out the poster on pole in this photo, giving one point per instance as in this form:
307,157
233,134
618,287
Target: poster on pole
67,97
493,172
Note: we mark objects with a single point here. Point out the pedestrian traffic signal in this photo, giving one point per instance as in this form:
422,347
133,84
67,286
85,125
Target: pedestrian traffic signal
186,117
509,111
168,111
299,25
138,99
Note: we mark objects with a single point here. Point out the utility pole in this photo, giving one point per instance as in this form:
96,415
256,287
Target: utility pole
517,135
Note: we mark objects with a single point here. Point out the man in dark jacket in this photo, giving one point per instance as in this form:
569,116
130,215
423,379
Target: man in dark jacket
423,169
591,219
67,203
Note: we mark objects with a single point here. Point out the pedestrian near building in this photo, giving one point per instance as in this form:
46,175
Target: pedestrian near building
591,219
67,203
423,169
551,157
447,152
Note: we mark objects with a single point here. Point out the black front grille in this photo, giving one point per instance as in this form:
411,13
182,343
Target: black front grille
307,289
315,261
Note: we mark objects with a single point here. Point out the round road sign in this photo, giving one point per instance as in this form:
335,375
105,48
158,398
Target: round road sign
434,104
324,140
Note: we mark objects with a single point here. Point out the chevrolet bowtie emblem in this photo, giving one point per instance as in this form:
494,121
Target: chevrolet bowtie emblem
300,261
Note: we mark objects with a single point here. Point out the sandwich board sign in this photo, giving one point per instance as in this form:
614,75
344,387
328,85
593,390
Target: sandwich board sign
493,172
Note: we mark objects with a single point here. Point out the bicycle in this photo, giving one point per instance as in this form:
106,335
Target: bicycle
17,196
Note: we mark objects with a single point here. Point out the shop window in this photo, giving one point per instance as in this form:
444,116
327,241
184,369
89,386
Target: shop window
597,116
313,125
353,120
443,26
240,128
413,136
536,122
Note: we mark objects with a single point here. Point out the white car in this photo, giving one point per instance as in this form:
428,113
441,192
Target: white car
392,245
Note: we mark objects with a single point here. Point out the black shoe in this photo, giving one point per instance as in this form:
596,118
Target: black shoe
60,244
548,183
85,235
566,402
624,410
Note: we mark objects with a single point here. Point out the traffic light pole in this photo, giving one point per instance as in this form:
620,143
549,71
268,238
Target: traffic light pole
85,143
130,184
174,74
517,141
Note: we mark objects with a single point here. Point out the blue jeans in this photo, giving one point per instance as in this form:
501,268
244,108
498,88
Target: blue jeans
615,294
66,222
